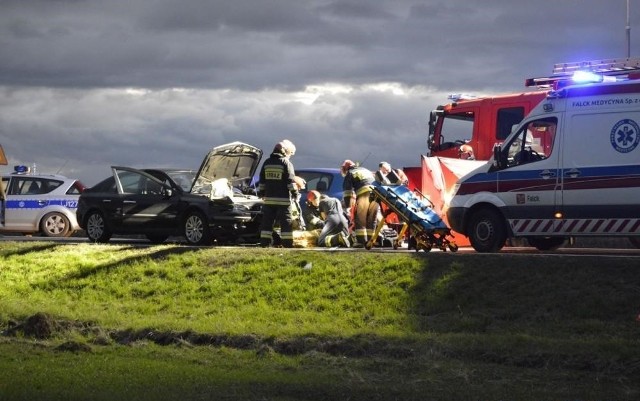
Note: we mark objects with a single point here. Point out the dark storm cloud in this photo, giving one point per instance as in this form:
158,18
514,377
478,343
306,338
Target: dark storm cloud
88,83
278,43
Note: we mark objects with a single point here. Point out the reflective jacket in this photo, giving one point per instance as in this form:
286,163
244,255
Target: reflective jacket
358,180
277,180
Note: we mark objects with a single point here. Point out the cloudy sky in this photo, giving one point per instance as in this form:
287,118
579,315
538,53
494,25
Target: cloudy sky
85,84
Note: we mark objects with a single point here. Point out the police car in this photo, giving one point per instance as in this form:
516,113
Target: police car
38,203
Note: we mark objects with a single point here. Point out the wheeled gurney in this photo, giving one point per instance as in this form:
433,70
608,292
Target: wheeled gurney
426,228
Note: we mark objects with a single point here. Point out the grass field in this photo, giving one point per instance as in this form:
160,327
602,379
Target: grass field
95,322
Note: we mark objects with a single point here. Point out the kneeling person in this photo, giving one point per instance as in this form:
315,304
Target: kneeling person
335,231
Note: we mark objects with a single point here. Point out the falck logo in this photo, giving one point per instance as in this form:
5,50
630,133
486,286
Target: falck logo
625,136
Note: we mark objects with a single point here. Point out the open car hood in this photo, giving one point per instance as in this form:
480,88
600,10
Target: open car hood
236,162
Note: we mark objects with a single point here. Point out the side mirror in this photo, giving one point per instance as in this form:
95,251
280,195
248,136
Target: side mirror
168,192
498,160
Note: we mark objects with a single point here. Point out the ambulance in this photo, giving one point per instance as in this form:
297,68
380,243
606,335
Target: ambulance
571,168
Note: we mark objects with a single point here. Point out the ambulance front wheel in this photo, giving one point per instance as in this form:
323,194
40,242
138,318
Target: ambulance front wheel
487,232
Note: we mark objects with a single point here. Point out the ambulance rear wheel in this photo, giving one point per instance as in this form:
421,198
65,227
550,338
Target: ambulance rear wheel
487,232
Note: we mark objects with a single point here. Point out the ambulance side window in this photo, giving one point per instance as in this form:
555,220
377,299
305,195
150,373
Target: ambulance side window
533,142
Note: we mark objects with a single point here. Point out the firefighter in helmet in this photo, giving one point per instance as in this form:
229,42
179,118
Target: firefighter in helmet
277,188
358,181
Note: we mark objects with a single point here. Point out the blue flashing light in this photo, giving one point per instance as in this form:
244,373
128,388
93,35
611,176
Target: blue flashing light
21,169
583,77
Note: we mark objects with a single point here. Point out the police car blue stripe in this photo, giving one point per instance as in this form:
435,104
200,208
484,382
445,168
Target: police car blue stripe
39,204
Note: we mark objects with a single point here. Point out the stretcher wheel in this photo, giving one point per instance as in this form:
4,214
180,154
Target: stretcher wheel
453,247
368,245
424,247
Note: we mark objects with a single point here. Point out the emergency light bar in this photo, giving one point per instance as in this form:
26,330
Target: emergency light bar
461,96
609,70
584,77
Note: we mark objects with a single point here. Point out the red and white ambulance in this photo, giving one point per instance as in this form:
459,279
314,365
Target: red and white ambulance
571,168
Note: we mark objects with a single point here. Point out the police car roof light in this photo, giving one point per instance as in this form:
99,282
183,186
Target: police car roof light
21,169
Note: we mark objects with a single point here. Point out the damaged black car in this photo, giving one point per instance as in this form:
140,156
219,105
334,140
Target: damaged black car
215,205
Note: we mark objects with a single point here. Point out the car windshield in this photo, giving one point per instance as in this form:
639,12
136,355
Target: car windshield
184,178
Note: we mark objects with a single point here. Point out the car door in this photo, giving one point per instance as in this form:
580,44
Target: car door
24,201
529,185
4,186
143,204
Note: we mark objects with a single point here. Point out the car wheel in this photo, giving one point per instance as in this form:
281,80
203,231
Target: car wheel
157,238
487,232
55,225
546,243
96,228
196,229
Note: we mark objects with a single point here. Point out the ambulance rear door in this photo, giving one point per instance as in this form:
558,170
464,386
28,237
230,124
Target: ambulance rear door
601,164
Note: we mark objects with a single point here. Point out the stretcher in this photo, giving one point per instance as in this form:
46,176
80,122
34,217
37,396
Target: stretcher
426,228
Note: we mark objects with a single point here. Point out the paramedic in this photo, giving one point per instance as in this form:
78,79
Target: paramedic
312,218
277,188
358,180
390,176
335,231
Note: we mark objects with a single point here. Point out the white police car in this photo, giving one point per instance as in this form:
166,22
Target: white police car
38,203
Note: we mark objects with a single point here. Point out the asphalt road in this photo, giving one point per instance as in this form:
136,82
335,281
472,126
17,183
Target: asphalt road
618,249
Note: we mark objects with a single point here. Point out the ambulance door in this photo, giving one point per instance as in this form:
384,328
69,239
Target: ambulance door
528,184
601,163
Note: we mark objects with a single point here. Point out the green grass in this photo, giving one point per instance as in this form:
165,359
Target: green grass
172,323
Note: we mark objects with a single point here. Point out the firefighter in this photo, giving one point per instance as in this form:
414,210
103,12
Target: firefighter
465,152
277,188
358,181
335,230
296,210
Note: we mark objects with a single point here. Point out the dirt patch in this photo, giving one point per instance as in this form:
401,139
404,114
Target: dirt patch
43,326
